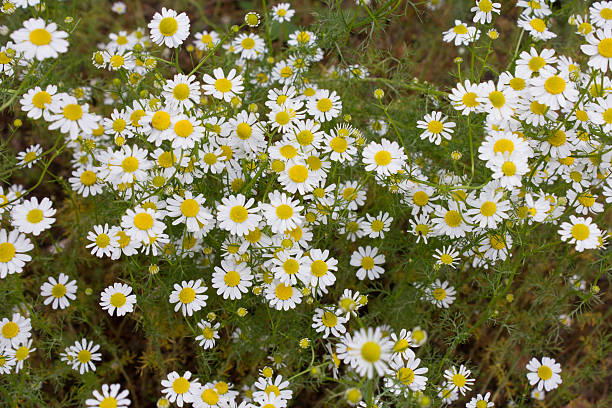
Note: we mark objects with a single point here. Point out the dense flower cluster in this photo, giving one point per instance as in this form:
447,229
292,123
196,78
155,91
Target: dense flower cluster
241,170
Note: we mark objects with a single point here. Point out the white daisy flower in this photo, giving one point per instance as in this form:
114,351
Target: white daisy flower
407,376
222,86
13,252
169,28
178,388
58,292
14,331
232,279
328,321
118,298
181,92
33,217
111,395
324,106
85,353
281,296
36,101
39,40
545,375
282,213
582,232
367,351
368,260
189,296
209,334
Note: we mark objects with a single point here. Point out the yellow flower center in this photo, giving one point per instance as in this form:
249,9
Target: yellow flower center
223,85
459,380
248,43
544,372
143,221
508,168
367,263
161,120
485,6
84,356
488,208
129,164
108,402
187,295
318,268
183,128
324,104
606,13
232,279
239,214
558,138
10,330
439,294
102,240
536,63
73,111
244,131
452,218
284,212
329,319
181,92
469,99
460,29
420,198
370,352
538,24
41,99
283,292
118,299
555,85
607,116
497,99
518,84
180,385
401,345
7,252
382,158
580,232
538,108
58,291
40,36
190,207
298,173
435,126
210,396
168,26
405,375
35,216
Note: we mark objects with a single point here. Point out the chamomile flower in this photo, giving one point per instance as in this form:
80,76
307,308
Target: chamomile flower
111,395
322,268
544,375
18,354
32,217
601,14
181,92
536,27
119,298
328,321
71,117
386,157
282,12
375,227
302,39
58,292
85,354
509,170
421,228
141,224
448,393
249,46
281,296
554,90
40,40
189,296
459,379
13,252
580,231
14,331
447,256
189,210
367,351
464,97
221,86
178,388
232,279
489,209
368,260
238,215
480,401
36,102
169,28
484,10
282,213
209,334
297,177
103,242
452,221
266,386
407,376
461,34
532,63
324,106
206,40
440,294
